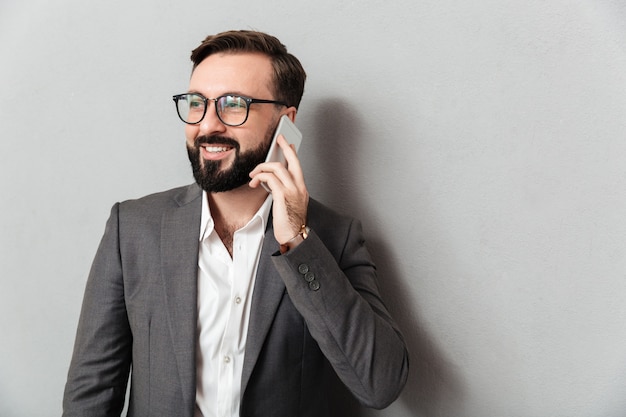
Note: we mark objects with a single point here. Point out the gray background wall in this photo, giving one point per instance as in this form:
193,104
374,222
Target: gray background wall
482,143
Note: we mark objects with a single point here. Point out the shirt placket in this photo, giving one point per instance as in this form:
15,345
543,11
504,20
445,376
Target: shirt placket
231,349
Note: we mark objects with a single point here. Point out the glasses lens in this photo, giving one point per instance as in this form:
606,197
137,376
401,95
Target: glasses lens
191,107
232,110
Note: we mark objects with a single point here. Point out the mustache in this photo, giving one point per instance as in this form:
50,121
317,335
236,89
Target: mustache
215,139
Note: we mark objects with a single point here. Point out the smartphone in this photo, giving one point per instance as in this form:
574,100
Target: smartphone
291,134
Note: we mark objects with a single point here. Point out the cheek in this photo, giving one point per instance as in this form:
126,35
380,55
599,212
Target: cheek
191,132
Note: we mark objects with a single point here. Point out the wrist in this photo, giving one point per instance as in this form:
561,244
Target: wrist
296,240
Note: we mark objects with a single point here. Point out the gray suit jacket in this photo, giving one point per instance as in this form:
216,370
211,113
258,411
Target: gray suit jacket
315,311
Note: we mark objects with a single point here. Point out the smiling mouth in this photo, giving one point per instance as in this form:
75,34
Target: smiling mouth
217,149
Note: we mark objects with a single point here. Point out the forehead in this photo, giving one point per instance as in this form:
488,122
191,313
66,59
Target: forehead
243,73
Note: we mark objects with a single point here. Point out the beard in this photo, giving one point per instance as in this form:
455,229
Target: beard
208,174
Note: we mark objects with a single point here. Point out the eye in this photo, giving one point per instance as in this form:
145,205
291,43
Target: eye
233,103
195,103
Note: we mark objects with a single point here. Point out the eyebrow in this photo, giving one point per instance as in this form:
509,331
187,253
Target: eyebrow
229,93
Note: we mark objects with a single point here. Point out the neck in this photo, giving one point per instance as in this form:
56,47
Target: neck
231,210
237,206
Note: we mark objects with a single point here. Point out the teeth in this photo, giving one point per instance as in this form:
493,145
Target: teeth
216,148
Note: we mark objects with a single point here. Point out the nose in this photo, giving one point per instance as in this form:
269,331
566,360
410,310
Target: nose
211,124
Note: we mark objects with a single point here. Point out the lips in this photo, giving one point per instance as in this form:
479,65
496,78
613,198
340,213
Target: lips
216,149
215,152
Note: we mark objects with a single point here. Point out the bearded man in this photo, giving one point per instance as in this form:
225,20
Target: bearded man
221,298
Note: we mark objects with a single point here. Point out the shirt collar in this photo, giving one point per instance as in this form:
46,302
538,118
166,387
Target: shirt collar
206,220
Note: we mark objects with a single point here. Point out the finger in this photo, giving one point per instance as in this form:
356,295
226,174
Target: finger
293,163
265,167
261,172
269,180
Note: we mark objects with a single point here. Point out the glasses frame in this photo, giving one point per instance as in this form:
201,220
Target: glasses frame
248,100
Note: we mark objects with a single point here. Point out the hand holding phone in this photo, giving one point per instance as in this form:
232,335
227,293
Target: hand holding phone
291,134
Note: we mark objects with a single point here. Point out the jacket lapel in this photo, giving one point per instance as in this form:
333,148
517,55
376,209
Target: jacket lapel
180,228
180,231
268,291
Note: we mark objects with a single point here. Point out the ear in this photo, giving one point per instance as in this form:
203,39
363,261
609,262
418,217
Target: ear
291,113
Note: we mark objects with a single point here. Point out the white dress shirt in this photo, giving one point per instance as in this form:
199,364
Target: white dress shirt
225,288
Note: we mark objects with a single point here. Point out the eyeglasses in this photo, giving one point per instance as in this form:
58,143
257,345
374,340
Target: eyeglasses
232,110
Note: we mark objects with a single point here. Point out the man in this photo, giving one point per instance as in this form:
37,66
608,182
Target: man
224,299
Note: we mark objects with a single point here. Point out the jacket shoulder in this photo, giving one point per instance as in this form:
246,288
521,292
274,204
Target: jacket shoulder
174,197
332,227
321,215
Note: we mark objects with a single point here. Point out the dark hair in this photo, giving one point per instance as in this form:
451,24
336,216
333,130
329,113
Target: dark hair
289,76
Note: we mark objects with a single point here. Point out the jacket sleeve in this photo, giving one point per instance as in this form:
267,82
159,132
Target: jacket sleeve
335,290
98,374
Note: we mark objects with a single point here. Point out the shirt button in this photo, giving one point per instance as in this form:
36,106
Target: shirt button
238,300
226,359
303,269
